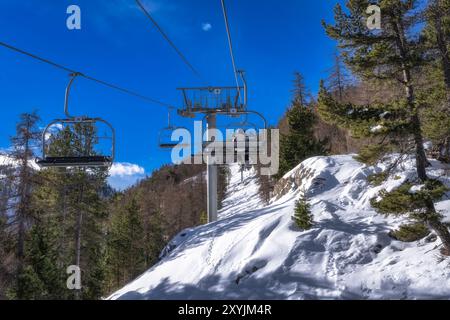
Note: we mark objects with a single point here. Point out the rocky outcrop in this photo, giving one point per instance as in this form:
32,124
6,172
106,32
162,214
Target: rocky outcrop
292,180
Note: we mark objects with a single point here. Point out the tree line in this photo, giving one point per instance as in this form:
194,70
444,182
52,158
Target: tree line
54,218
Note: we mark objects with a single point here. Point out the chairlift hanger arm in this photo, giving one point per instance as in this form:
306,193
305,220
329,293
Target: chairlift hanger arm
230,44
238,113
85,119
246,112
244,81
73,76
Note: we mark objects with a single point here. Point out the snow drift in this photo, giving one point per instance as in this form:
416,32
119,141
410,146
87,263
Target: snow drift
256,252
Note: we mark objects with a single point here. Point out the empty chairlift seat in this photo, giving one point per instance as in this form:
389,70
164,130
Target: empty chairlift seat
92,158
91,161
72,142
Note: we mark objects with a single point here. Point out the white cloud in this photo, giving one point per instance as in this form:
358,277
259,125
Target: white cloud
124,175
206,26
125,169
54,129
57,126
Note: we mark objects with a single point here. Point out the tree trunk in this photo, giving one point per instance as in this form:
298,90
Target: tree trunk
21,214
20,256
62,236
443,234
447,150
78,227
78,238
421,158
437,226
416,127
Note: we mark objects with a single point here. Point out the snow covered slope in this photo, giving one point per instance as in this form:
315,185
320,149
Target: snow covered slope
241,195
258,253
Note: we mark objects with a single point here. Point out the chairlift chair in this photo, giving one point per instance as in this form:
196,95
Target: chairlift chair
244,124
165,135
246,148
83,160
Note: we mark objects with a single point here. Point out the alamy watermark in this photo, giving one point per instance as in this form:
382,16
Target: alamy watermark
250,147
74,280
374,19
73,22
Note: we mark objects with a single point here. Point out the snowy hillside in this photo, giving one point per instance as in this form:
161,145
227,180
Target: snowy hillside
242,194
256,252
8,161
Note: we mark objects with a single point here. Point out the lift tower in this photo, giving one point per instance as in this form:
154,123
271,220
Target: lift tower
209,102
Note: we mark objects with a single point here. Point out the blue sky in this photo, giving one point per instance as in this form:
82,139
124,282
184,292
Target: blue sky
117,43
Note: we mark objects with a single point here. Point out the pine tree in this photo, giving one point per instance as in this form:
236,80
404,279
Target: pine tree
96,275
75,196
300,92
436,38
303,217
6,247
402,201
42,278
126,244
27,135
7,243
391,55
436,35
338,79
155,239
134,234
49,228
300,143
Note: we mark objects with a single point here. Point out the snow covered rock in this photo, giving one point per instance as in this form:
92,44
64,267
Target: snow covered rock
256,252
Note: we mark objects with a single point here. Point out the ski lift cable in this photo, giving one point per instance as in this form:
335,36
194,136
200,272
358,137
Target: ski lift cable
230,44
104,83
166,37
